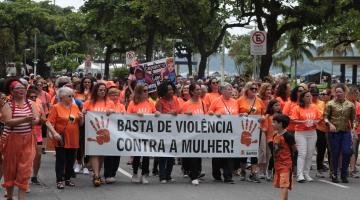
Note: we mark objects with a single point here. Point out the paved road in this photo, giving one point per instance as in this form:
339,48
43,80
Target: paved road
182,189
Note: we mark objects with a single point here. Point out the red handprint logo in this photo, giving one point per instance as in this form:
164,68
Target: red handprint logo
248,129
102,132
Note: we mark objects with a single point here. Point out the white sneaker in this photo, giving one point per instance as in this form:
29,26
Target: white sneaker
195,182
308,178
163,181
300,178
110,180
77,168
86,171
144,180
320,174
135,178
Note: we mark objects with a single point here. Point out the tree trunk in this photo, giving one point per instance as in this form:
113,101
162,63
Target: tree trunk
202,67
189,61
267,59
107,62
150,45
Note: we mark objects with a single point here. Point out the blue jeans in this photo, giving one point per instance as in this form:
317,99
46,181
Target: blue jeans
165,167
340,142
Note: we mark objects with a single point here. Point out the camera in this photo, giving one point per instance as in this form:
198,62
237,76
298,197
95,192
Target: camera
71,118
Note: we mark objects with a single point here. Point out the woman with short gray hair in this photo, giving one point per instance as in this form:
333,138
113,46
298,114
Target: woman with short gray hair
65,119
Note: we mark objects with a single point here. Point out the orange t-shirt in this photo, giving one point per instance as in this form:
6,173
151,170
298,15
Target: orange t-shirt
224,107
210,97
196,108
282,152
99,106
82,96
321,125
245,106
144,107
310,113
119,107
357,111
59,117
282,102
288,110
167,106
267,126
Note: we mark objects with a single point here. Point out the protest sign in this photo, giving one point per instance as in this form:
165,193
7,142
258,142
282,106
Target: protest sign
157,71
171,136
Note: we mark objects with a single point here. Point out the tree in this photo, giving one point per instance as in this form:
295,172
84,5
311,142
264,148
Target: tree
294,15
296,48
205,23
240,52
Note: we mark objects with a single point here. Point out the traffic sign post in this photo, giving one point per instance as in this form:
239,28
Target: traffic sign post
258,41
130,57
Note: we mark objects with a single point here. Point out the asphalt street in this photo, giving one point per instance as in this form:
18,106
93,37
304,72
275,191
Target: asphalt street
182,189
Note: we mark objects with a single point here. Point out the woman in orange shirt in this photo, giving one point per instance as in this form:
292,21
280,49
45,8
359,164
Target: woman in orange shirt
98,103
195,106
169,104
306,115
86,86
223,105
66,119
250,104
32,95
18,115
273,108
111,163
141,105
213,92
265,93
282,93
290,105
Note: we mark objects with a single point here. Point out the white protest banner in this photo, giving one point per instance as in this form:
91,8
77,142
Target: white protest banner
171,136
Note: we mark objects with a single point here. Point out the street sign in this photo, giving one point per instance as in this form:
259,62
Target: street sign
258,43
130,57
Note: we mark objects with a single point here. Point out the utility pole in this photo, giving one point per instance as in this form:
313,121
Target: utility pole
222,61
35,54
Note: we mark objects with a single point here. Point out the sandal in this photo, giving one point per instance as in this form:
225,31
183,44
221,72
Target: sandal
96,181
69,183
60,185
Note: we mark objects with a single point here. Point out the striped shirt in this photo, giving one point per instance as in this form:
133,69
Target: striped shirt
22,128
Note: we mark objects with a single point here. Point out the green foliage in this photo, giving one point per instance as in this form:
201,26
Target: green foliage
120,73
240,52
68,63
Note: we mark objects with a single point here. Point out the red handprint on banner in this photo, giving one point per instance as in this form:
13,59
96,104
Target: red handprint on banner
102,132
248,128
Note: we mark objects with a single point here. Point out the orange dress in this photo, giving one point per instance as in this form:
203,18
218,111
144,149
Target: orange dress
144,107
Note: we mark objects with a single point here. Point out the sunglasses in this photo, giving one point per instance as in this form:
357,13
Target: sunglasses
145,90
71,96
300,91
19,88
214,83
253,89
32,97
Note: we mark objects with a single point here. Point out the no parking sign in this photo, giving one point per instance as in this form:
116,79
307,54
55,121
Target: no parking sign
258,43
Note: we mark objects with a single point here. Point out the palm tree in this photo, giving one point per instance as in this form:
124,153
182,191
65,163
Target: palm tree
296,48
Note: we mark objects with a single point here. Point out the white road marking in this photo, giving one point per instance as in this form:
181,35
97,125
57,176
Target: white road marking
124,172
335,184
